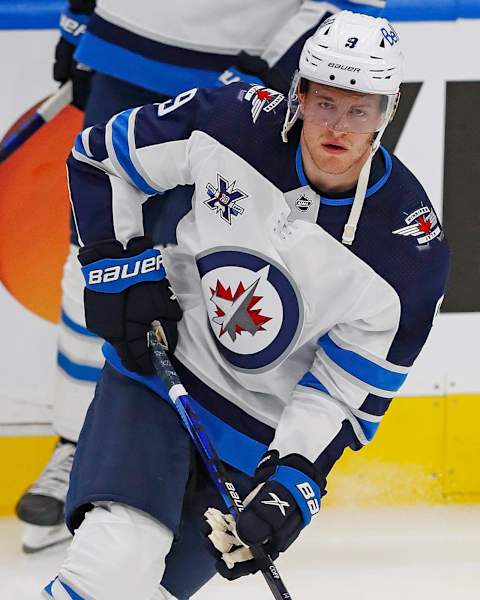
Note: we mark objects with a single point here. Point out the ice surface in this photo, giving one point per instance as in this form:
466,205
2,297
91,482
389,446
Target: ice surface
422,553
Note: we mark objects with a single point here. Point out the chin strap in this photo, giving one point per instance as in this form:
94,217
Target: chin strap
362,184
351,225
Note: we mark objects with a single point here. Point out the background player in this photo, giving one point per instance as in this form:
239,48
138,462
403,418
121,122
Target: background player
301,310
146,52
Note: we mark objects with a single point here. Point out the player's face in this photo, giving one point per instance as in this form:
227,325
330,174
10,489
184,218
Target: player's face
338,126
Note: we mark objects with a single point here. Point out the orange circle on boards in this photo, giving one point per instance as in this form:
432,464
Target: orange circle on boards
34,215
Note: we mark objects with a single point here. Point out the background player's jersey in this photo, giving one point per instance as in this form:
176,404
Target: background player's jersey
170,47
288,337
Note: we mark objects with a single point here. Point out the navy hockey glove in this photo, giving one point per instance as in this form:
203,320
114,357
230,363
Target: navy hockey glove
126,289
73,22
253,69
284,500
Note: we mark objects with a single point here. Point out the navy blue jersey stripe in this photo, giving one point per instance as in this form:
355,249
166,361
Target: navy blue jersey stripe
156,50
375,405
345,438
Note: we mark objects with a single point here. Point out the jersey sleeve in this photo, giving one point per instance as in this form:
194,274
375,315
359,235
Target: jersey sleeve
284,50
115,167
359,366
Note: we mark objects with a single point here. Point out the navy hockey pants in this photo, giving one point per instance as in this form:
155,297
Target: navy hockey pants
133,449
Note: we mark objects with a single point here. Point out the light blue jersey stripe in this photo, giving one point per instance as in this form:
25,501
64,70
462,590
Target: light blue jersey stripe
369,429
47,590
79,147
122,152
168,79
360,367
77,371
366,9
309,380
70,323
232,446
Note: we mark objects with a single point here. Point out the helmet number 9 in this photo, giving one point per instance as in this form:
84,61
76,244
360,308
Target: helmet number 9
351,42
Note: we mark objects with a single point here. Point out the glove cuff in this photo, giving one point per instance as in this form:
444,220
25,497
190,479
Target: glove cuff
113,275
304,490
110,268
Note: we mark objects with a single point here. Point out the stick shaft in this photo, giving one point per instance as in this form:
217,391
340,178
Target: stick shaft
44,113
183,404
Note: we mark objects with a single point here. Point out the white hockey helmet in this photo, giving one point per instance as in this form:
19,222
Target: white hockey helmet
355,52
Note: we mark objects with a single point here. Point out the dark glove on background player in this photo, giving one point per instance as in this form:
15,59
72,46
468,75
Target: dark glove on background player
254,69
72,25
126,289
284,499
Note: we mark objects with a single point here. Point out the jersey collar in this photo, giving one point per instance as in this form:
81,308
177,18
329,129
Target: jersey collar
345,201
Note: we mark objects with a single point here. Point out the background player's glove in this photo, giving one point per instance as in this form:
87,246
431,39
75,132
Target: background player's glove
284,500
73,23
253,69
126,289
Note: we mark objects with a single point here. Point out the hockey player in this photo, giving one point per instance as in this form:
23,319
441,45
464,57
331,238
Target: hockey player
305,281
144,52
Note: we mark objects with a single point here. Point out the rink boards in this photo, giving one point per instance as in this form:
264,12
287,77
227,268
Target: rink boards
427,449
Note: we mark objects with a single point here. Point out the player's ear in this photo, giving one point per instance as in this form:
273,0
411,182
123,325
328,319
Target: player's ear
302,91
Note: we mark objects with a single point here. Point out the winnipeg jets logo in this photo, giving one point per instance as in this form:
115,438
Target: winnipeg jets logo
262,98
276,501
422,224
237,312
223,199
254,308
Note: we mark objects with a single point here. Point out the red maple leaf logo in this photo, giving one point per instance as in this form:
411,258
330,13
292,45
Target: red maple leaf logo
254,313
423,225
264,95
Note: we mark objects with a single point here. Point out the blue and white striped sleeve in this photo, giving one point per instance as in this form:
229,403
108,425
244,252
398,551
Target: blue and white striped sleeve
284,49
359,367
114,167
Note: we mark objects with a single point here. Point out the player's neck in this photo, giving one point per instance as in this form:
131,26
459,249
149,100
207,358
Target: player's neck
330,182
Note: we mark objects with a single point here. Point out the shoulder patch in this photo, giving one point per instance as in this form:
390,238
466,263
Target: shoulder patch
262,99
422,224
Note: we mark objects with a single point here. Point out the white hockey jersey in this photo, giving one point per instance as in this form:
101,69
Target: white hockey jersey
289,339
169,47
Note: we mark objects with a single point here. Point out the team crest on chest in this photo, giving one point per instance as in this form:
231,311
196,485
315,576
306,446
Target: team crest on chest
262,99
422,224
224,198
254,308
237,312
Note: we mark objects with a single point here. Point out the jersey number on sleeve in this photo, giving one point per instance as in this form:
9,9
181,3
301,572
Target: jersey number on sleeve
169,105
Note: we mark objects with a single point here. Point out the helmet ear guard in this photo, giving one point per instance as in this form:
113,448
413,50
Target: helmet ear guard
293,106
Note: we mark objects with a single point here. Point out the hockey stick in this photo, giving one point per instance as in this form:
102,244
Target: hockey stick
182,402
44,113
